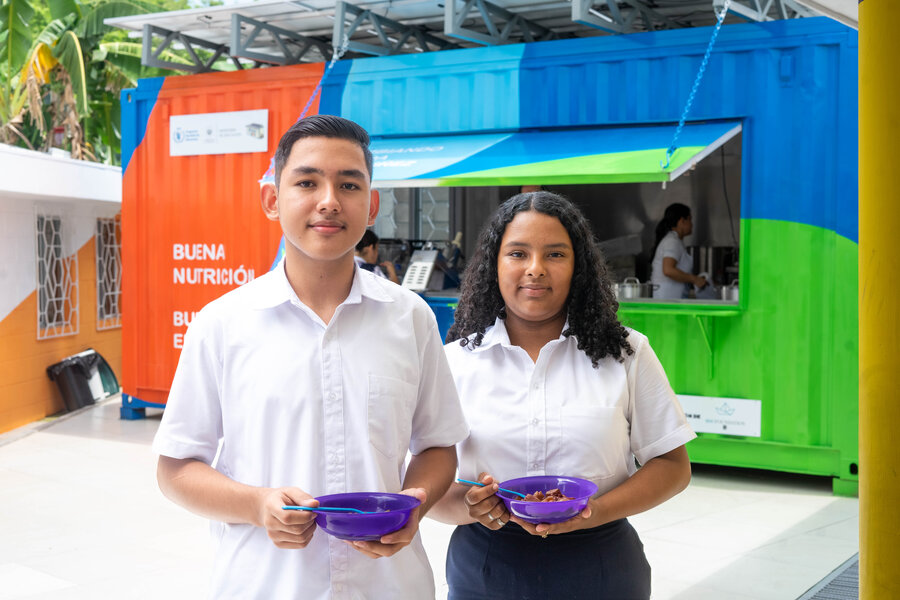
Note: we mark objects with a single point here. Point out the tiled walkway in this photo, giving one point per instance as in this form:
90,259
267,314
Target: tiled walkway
81,518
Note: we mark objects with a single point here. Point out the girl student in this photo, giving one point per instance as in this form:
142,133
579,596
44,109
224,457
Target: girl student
552,383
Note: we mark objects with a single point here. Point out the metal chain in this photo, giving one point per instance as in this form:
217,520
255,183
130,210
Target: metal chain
336,55
687,108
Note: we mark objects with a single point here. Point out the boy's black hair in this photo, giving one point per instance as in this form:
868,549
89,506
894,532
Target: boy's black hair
591,306
328,126
368,239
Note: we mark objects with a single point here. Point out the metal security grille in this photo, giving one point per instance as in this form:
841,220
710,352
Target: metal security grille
434,215
57,281
108,245
386,222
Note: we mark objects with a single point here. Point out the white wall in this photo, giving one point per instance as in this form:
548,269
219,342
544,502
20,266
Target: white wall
78,191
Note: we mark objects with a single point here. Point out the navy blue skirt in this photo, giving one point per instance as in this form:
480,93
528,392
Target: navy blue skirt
603,562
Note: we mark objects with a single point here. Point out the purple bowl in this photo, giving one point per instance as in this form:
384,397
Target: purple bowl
390,512
580,490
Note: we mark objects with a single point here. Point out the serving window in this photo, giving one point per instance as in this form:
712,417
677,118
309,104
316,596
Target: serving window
624,215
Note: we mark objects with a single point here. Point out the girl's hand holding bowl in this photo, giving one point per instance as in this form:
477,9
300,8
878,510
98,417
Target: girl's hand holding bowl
484,505
579,521
546,518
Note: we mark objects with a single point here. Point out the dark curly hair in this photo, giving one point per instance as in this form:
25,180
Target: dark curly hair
591,305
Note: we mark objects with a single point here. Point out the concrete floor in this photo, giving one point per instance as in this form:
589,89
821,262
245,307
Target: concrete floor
81,518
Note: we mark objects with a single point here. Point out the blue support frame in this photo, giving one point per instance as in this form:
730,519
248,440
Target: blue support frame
133,408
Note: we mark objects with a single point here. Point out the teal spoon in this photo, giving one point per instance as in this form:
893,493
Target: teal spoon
519,494
329,509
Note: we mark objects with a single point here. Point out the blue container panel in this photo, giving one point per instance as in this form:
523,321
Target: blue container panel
788,80
443,312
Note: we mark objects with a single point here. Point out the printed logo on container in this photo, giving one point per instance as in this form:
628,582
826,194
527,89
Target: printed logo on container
235,132
727,416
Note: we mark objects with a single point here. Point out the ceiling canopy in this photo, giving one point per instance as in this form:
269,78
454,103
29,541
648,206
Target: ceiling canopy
282,32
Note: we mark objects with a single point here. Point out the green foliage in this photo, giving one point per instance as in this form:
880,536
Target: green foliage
60,9
92,26
15,36
68,53
95,62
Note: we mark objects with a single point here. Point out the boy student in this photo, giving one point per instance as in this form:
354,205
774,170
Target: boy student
313,379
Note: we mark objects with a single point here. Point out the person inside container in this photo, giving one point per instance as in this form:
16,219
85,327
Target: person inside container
296,385
672,265
366,257
553,384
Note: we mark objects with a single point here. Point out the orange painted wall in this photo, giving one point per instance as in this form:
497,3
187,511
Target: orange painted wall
210,199
26,393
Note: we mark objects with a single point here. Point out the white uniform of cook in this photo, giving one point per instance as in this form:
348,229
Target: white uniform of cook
670,246
559,415
289,401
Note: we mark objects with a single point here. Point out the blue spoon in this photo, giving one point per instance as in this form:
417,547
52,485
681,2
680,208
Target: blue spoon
329,509
519,494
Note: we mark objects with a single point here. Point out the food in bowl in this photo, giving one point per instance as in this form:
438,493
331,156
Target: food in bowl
553,495
579,490
384,514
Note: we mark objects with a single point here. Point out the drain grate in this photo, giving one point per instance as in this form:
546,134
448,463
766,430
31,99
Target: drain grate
840,584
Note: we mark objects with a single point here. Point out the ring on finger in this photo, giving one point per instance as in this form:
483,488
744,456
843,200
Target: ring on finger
500,522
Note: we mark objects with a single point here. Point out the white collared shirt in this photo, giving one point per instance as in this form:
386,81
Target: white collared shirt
271,396
559,415
670,246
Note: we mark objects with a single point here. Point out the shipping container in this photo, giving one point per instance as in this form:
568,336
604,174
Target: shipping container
770,381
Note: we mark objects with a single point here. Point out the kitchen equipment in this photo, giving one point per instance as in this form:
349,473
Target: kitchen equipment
482,485
626,245
721,262
628,289
580,490
632,289
382,513
421,274
428,271
730,292
707,292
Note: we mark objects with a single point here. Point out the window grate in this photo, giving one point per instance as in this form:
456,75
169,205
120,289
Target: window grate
57,281
108,251
434,216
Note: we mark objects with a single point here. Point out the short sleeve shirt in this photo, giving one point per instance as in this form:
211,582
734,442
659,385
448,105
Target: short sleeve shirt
670,246
270,396
559,415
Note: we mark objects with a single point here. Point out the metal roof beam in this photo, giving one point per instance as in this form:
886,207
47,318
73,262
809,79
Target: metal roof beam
293,46
151,57
609,16
393,35
500,23
765,10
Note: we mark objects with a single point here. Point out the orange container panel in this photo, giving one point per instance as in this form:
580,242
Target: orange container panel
192,226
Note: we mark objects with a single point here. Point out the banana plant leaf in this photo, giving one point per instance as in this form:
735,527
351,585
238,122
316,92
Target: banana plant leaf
68,53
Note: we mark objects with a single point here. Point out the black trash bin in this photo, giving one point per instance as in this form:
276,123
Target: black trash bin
73,376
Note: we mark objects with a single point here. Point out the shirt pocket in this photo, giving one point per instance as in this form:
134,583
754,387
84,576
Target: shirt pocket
389,408
593,439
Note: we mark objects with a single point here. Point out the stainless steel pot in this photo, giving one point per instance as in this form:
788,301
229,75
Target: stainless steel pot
628,289
729,292
633,289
